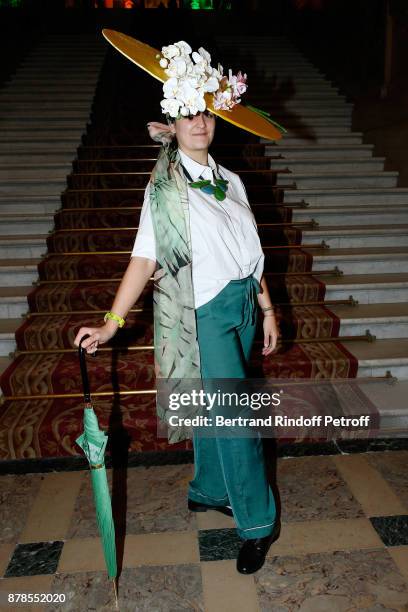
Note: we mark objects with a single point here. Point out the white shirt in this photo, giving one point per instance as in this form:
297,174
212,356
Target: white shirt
224,235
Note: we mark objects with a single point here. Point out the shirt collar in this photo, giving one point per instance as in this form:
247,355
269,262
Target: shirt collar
195,169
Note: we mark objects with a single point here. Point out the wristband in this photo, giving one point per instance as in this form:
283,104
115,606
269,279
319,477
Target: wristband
114,317
268,308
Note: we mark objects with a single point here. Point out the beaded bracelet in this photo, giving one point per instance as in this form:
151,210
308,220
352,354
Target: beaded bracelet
114,317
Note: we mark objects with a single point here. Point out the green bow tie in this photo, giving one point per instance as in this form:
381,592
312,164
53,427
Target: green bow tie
206,186
218,190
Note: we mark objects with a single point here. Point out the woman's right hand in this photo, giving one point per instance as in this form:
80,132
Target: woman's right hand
97,335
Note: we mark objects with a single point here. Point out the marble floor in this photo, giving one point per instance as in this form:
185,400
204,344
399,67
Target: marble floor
343,545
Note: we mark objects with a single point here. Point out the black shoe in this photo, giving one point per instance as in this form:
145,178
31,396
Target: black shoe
199,507
252,555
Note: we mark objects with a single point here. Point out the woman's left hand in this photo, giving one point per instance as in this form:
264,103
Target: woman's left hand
271,334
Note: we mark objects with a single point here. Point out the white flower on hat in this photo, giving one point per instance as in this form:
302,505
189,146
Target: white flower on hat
193,98
199,60
176,68
170,88
211,84
218,72
170,51
163,62
184,47
171,106
205,55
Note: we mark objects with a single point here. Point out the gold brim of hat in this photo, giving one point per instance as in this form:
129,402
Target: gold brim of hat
145,57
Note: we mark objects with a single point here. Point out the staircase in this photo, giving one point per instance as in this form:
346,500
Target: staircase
333,225
44,109
336,182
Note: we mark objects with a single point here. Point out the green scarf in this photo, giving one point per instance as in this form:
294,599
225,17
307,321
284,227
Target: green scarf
176,347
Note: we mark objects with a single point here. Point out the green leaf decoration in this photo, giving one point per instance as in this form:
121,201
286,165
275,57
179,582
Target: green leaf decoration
266,116
222,184
199,184
219,194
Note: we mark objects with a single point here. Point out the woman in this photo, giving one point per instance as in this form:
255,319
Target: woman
199,238
225,245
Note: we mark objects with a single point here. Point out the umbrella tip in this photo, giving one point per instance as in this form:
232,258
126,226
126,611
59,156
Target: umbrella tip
115,590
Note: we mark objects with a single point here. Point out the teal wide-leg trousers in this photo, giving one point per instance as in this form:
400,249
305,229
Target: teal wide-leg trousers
231,470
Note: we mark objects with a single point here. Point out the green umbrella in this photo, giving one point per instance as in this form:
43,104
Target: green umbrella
93,442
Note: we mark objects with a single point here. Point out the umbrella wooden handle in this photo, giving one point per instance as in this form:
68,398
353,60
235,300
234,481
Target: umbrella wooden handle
84,371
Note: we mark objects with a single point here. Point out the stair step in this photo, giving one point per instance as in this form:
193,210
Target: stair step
321,164
287,88
37,113
315,137
382,320
390,400
18,273
21,246
36,159
357,196
77,51
327,96
65,63
313,151
297,124
375,358
368,288
72,127
29,82
29,203
10,176
75,97
41,139
345,236
361,260
338,179
77,57
30,88
22,223
8,329
35,186
71,45
13,301
54,69
14,172
39,107
353,215
295,80
73,122
327,101
285,94
310,111
34,131
271,62
307,131
294,74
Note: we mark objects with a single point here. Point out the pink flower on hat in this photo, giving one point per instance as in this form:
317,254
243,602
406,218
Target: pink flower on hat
231,88
238,82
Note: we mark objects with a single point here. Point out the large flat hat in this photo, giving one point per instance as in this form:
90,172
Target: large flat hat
247,117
